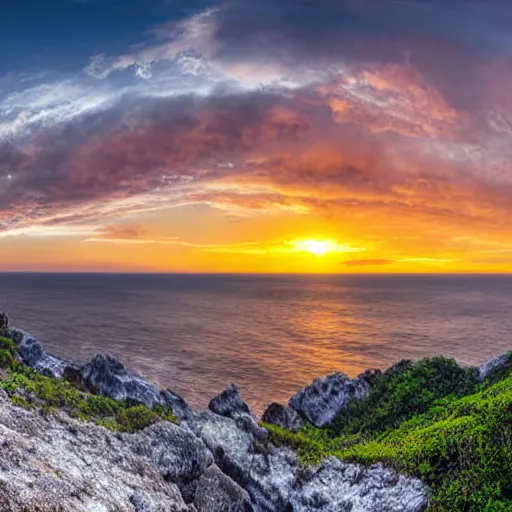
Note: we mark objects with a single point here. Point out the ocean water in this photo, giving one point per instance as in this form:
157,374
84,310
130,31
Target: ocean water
270,335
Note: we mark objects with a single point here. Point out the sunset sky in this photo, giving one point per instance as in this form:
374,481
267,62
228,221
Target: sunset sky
256,135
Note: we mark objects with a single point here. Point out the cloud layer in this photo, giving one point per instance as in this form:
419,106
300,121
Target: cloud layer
347,110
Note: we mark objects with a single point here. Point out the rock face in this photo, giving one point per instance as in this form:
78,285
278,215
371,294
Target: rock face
493,366
284,417
105,375
321,401
277,482
216,460
57,463
33,354
229,403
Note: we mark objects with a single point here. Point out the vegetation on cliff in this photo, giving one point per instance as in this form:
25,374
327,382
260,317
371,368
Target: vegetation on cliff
432,420
29,389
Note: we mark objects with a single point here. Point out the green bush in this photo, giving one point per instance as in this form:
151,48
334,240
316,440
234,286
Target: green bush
28,388
136,418
8,344
398,396
460,446
6,359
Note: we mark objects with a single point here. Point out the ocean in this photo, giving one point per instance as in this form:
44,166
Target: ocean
269,334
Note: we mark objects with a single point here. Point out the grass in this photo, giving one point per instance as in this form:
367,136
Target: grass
461,446
29,389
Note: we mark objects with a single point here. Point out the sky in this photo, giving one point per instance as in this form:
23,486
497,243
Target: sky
256,136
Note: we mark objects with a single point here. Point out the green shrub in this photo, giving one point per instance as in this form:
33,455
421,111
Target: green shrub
55,394
398,396
460,446
8,344
21,401
136,418
6,359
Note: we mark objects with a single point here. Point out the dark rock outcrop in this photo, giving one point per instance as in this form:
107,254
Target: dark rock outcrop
229,403
321,401
495,366
284,417
179,405
107,376
33,354
4,323
103,375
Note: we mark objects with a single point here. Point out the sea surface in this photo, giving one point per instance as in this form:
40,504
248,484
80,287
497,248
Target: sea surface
270,335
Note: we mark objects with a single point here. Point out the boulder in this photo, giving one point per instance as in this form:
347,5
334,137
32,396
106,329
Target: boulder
321,401
55,463
335,486
229,403
217,492
284,417
178,404
495,367
32,353
107,376
178,455
4,324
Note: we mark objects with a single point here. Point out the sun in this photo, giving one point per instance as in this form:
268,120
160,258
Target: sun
317,247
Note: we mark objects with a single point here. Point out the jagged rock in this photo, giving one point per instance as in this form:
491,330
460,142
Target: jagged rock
284,417
103,375
495,366
229,403
323,399
277,482
107,376
33,354
179,405
55,463
372,377
176,452
217,492
335,487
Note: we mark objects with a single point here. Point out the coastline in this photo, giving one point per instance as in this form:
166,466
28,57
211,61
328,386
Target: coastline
247,464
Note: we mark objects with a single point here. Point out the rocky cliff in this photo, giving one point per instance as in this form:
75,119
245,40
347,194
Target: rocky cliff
219,459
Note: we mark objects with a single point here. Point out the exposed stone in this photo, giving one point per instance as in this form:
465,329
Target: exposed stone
276,481
284,417
179,405
217,492
402,366
107,376
4,323
175,452
336,486
55,463
495,366
229,403
33,354
323,399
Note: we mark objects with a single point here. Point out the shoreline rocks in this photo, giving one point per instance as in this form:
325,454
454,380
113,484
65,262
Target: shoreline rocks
216,460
